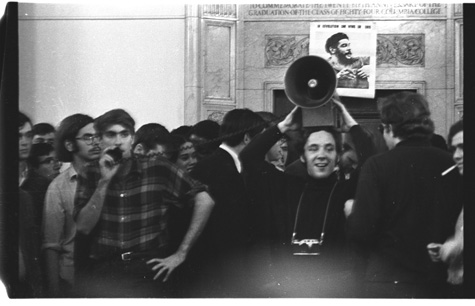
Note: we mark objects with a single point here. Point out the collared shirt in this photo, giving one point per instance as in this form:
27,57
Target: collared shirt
135,214
59,228
233,154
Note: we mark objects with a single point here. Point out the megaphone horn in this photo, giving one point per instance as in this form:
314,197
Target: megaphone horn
310,83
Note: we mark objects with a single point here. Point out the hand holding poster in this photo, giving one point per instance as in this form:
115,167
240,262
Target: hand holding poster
350,47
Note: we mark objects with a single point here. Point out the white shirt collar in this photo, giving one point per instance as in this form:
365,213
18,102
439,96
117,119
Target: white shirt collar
233,154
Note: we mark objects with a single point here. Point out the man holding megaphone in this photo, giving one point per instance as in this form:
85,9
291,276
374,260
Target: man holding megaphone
312,211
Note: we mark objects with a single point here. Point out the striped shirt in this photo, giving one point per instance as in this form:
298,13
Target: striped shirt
135,213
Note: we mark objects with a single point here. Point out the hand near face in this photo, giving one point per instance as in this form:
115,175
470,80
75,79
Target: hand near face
108,166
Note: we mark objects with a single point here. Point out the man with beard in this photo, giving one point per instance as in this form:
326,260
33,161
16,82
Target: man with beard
352,72
78,143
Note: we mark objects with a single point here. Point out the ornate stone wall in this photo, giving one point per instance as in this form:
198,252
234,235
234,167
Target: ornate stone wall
245,50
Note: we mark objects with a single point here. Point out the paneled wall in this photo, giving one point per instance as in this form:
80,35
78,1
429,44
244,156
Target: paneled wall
427,39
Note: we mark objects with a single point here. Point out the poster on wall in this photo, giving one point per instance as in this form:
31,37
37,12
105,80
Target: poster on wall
350,47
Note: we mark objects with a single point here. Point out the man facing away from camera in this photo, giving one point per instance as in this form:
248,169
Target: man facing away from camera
125,217
399,197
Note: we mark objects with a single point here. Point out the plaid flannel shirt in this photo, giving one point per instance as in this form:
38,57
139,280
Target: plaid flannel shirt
135,215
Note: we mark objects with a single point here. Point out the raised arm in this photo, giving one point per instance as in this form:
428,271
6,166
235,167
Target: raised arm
256,150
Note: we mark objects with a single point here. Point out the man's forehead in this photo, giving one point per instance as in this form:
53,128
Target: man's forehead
87,129
25,127
343,41
457,139
320,138
46,136
116,128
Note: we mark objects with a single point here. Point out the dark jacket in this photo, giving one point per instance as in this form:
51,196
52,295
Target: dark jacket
402,204
275,199
227,228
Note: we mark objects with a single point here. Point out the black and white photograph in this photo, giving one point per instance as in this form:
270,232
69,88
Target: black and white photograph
350,48
235,153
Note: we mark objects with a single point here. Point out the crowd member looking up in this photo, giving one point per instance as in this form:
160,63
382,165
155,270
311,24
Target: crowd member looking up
220,263
351,72
203,135
125,215
43,132
395,213
451,251
77,143
152,139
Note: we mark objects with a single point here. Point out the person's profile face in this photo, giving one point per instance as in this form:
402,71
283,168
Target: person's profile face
25,140
349,158
457,147
320,155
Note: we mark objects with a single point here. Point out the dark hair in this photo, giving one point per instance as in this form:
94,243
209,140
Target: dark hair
23,119
454,129
184,130
306,132
67,131
409,115
151,134
237,123
42,129
115,116
207,129
332,41
37,150
269,118
177,142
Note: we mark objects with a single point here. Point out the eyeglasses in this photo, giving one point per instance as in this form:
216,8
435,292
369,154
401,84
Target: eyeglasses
381,128
88,138
50,160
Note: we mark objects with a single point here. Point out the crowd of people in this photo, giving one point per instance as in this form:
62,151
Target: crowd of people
254,206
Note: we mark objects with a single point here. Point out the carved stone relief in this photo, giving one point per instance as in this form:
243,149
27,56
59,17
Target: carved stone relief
217,116
284,49
393,50
399,50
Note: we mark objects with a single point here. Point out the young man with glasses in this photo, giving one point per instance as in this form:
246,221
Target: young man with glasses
77,143
125,216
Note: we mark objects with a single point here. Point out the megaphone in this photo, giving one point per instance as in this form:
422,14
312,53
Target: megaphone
309,83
